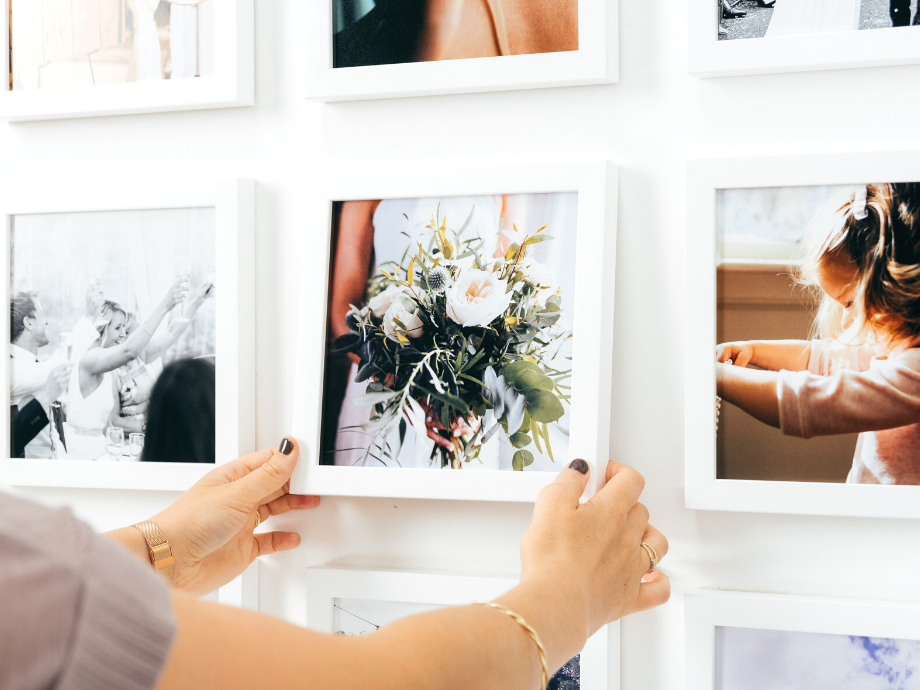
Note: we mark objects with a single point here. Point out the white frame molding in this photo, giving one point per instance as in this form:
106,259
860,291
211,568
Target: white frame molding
596,185
710,57
703,490
234,204
327,583
704,610
595,62
232,85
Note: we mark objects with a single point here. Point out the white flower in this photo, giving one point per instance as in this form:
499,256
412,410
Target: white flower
541,278
407,317
384,300
477,298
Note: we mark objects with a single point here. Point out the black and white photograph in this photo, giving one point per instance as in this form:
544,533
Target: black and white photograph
69,43
740,19
113,336
818,369
754,659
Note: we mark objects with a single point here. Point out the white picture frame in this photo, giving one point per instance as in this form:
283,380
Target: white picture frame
705,610
232,84
596,185
703,489
327,583
595,62
710,57
234,204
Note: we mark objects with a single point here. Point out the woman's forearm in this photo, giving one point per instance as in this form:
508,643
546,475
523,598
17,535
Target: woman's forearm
773,355
458,648
161,342
751,390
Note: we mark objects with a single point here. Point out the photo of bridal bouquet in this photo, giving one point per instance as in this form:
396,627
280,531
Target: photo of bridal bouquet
458,346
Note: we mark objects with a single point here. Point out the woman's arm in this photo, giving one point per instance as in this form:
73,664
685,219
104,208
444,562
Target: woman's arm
161,342
582,567
772,355
99,360
352,260
752,390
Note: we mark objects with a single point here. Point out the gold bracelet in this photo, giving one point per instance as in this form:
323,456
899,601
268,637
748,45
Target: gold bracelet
161,556
530,631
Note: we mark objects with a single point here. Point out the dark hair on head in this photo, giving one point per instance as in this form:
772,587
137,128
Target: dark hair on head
181,414
879,233
22,307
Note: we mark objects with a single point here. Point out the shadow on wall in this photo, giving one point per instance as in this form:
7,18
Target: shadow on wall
760,303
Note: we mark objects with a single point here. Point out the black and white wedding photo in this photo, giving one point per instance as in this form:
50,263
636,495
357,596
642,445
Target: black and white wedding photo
113,335
740,19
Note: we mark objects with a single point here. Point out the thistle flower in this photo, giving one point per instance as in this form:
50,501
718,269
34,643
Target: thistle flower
438,280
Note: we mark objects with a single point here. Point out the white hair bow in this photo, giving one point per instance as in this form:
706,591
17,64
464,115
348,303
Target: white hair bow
860,212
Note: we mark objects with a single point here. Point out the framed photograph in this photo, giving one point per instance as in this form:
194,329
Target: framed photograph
369,49
84,58
744,641
131,334
735,37
818,383
456,330
357,601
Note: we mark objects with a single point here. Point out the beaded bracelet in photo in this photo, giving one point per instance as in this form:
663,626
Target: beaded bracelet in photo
544,679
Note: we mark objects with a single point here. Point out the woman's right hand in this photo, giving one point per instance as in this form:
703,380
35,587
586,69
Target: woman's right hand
586,557
740,353
177,293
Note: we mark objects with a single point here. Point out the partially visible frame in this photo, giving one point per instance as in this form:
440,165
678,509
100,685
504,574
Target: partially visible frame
705,610
327,583
232,84
234,204
595,62
242,592
596,185
710,57
703,489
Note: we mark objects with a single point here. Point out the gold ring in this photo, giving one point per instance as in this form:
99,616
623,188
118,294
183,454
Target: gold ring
652,555
258,519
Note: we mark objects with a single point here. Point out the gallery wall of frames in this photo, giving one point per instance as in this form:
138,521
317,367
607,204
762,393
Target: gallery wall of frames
452,256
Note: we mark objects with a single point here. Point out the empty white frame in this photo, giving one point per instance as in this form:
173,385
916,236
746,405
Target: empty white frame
710,57
703,489
231,85
595,256
325,584
706,610
234,210
595,62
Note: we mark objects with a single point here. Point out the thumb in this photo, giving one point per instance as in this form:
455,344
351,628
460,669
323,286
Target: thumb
271,475
573,479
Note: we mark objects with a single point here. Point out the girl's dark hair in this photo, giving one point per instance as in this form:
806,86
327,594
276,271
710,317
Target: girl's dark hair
181,414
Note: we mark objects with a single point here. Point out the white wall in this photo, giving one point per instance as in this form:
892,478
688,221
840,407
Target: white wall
650,124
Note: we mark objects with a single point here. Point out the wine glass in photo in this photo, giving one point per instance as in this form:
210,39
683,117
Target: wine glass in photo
135,446
114,441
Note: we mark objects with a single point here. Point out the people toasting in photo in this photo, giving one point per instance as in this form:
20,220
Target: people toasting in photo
862,372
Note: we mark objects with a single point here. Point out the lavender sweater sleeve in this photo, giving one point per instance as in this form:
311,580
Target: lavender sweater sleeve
77,612
883,396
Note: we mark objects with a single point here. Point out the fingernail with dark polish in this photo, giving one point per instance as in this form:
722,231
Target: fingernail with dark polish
286,447
579,466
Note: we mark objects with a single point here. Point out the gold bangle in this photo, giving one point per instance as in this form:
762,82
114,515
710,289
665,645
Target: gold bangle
530,631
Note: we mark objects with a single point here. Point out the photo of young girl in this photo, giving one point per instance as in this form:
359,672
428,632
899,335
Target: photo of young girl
858,372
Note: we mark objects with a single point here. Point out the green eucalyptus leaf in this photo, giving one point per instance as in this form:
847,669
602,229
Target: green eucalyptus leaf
521,459
520,439
543,406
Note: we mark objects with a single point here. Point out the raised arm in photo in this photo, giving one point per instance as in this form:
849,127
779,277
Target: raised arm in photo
161,342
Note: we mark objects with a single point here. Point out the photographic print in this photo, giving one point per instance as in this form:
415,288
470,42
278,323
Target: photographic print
113,338
363,616
450,333
818,333
754,659
383,32
70,43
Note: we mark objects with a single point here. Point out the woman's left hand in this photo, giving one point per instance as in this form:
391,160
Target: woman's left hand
210,527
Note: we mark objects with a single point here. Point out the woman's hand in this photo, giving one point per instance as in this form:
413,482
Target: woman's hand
194,302
740,353
176,294
210,527
582,565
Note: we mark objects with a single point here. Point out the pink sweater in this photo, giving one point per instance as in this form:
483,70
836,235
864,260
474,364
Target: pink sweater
879,397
